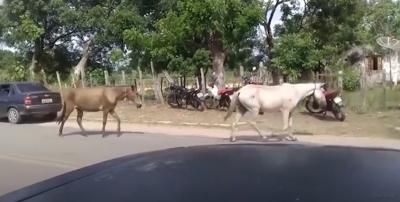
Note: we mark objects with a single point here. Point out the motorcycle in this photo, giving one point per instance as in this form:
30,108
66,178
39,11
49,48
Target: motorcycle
248,80
334,104
180,96
218,98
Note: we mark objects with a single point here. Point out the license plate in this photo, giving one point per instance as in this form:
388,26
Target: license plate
337,100
47,101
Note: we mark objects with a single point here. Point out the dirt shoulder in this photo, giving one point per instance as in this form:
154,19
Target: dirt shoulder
244,135
382,124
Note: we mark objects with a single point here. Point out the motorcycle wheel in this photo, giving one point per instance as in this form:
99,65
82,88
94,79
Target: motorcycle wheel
172,101
209,102
339,115
197,104
225,102
313,107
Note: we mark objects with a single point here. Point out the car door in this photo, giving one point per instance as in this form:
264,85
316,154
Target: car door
4,99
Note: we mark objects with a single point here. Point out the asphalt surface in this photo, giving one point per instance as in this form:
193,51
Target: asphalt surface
30,153
33,152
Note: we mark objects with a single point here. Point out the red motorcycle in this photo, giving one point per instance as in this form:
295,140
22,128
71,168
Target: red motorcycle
219,98
334,104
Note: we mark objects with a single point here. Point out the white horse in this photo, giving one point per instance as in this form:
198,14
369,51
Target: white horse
252,99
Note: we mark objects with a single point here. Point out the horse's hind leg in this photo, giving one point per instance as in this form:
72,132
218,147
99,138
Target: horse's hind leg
290,129
115,115
68,111
238,116
79,121
253,124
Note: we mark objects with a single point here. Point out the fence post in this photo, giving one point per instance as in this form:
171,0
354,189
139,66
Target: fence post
203,81
317,77
241,71
73,80
91,79
59,84
106,78
340,81
152,69
44,76
364,87
123,78
197,83
142,90
384,89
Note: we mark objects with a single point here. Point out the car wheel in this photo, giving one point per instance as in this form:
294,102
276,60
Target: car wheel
14,116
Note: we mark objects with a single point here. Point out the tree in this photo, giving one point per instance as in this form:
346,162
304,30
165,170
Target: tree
35,28
216,25
382,18
319,32
270,8
299,53
43,28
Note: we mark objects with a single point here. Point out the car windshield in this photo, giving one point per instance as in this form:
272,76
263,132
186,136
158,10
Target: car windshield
87,81
31,87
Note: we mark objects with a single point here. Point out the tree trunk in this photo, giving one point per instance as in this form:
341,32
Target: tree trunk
218,56
79,70
32,66
218,67
275,73
157,89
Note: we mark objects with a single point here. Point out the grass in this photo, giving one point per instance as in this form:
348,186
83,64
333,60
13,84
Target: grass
375,99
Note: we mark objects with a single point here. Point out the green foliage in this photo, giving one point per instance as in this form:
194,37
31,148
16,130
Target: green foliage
8,59
382,19
17,73
97,76
351,80
298,53
201,59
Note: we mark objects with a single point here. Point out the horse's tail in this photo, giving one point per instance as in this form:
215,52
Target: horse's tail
60,117
234,103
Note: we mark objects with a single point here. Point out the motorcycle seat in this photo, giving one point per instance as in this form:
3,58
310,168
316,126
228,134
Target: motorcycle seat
228,91
330,94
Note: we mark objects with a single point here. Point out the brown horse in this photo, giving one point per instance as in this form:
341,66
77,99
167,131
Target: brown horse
96,99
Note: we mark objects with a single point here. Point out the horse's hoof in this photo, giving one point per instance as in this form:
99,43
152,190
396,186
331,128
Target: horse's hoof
60,135
104,135
119,134
291,138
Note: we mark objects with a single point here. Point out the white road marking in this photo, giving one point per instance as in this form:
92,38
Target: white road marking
39,161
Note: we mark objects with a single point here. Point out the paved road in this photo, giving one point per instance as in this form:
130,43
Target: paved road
33,152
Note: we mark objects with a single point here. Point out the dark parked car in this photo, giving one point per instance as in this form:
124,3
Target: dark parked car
19,100
292,173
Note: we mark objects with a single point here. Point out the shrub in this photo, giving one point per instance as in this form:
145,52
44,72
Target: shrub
351,80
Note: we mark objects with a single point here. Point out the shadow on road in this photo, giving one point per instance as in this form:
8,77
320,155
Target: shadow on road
107,133
257,138
320,117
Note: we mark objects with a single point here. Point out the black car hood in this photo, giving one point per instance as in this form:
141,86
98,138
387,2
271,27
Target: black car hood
231,173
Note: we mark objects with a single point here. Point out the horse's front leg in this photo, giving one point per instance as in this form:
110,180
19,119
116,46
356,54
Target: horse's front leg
79,121
105,115
287,125
118,120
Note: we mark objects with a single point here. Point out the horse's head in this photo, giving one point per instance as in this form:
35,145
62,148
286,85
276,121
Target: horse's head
133,95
